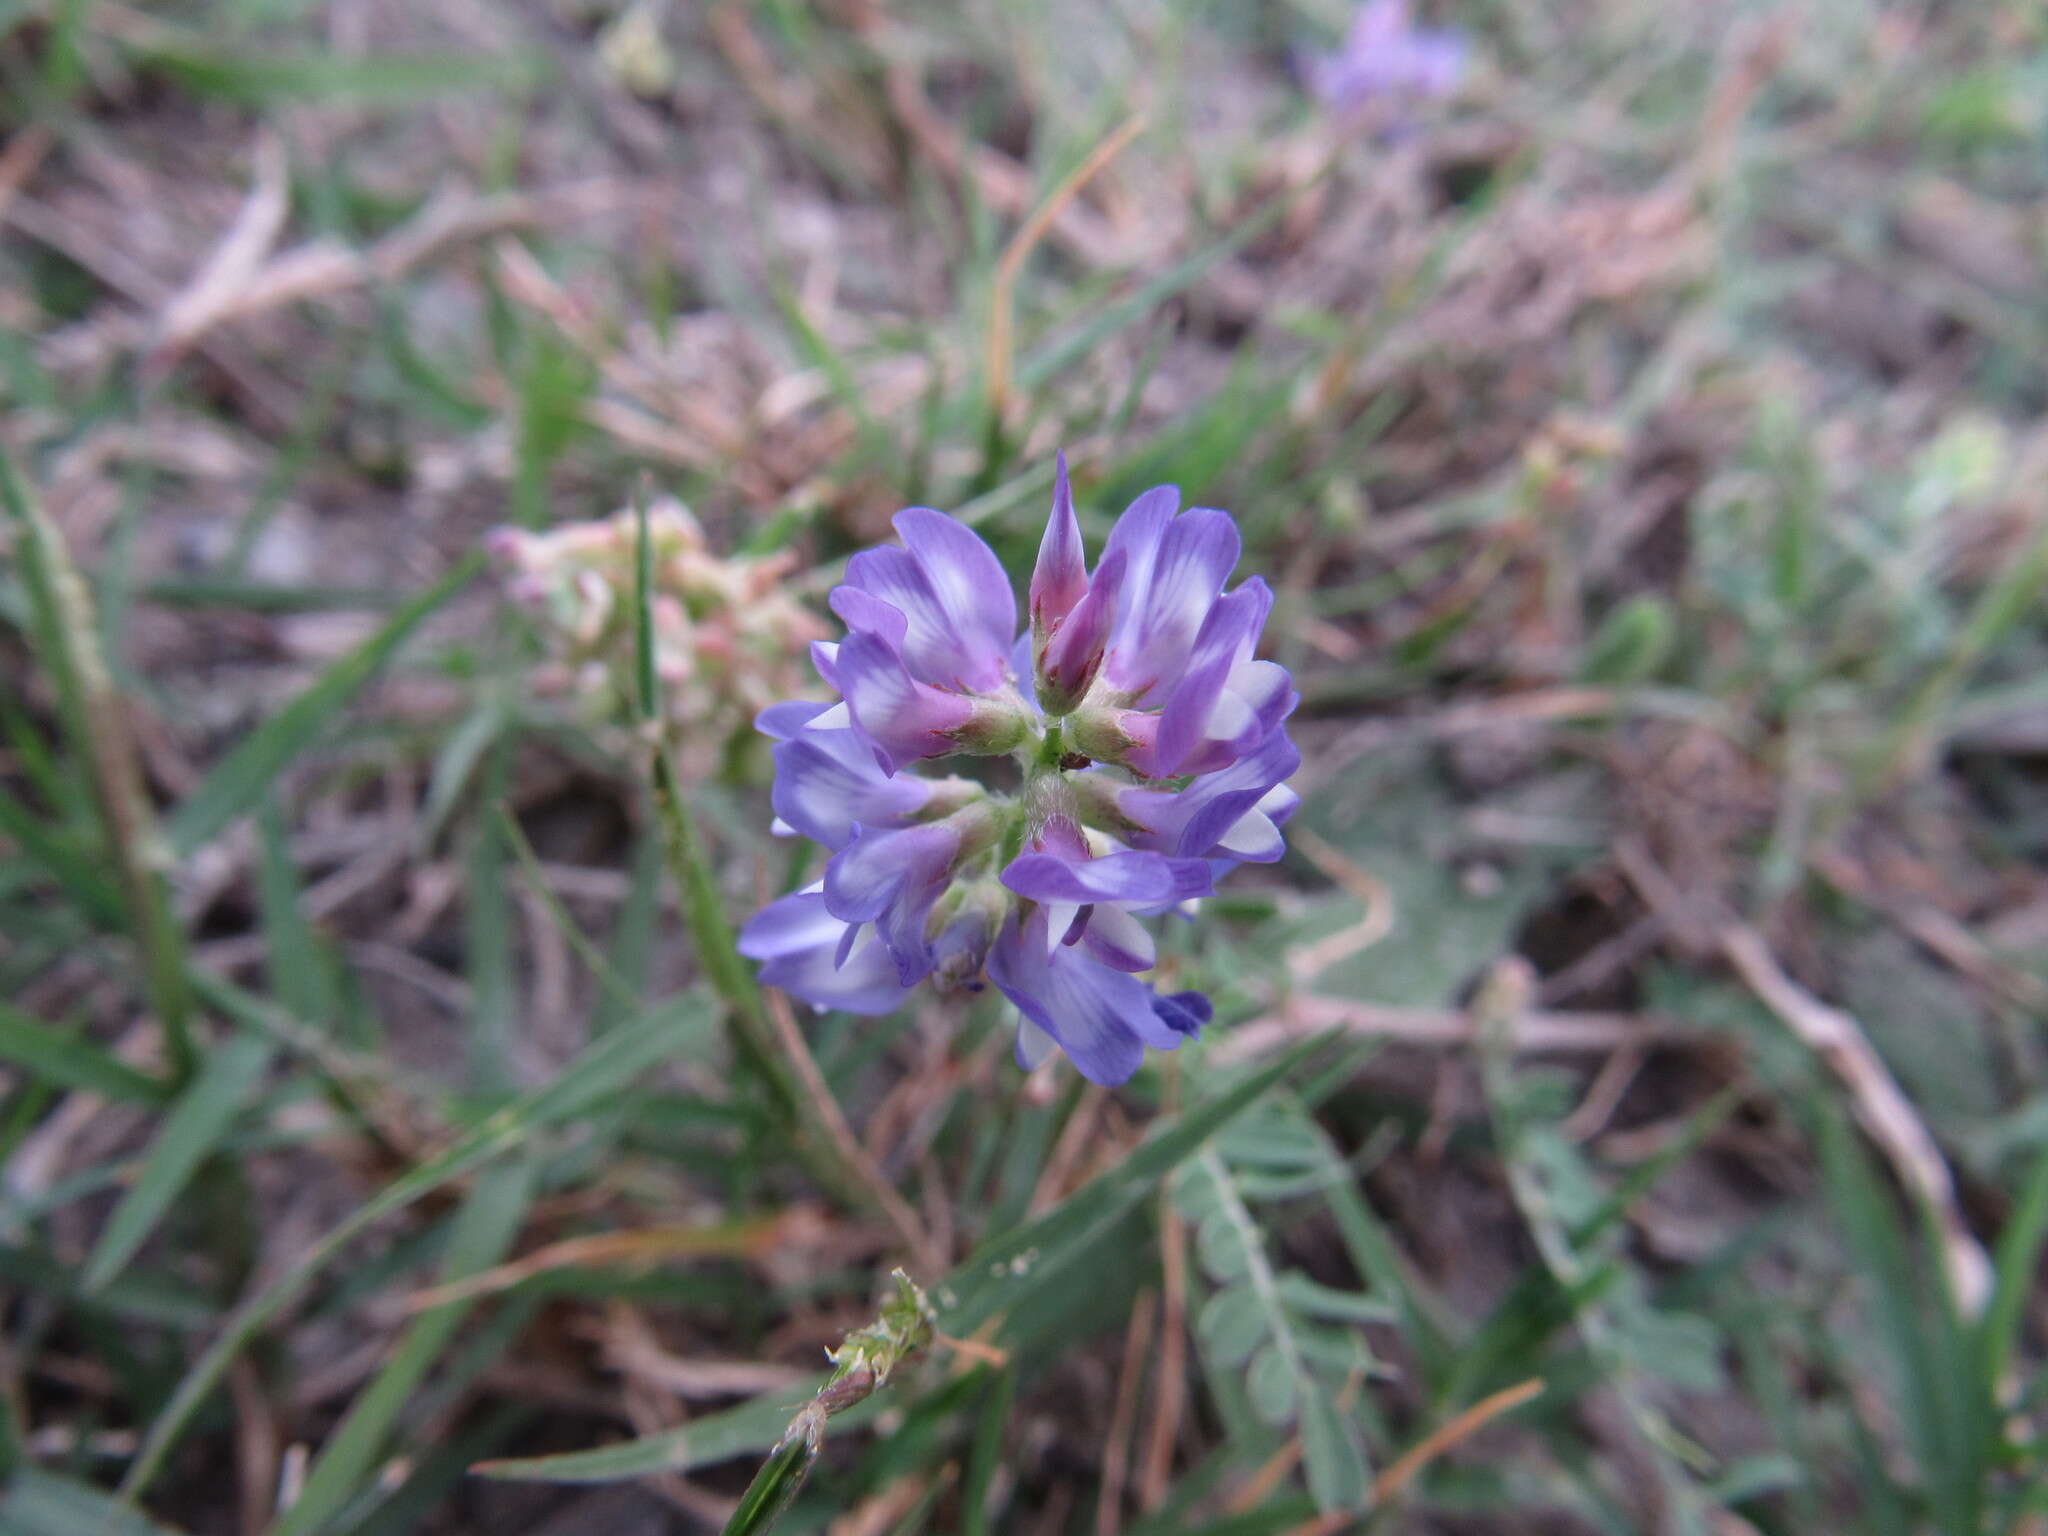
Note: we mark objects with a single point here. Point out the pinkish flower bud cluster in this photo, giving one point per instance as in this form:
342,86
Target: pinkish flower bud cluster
729,638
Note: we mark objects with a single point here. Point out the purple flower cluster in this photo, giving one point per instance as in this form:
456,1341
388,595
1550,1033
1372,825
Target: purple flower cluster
1152,756
1385,54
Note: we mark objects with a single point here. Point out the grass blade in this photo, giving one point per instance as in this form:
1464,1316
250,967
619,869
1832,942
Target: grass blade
40,1503
69,1060
484,1230
239,780
607,1065
204,1113
2019,1251
298,965
96,721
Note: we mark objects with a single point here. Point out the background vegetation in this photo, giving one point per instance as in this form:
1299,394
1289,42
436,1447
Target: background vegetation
1645,441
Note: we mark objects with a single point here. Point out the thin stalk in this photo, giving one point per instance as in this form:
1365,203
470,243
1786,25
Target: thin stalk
862,1363
752,1031
96,722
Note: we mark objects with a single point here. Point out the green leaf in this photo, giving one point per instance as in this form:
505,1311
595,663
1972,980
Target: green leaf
2019,1251
1219,1244
1327,1301
1632,643
489,1221
751,1427
39,1503
1333,1455
1271,1382
608,1064
1231,1325
299,967
456,764
57,855
69,1060
255,79
774,1487
202,1116
238,781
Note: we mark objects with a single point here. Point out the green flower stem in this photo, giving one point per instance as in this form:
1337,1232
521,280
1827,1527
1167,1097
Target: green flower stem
860,1365
753,1033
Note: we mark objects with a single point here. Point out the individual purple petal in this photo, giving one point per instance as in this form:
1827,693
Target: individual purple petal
958,617
800,943
1140,878
1118,939
1034,1046
1165,613
1257,698
866,614
1254,838
1226,638
1103,1019
1061,574
788,925
892,879
827,783
1184,1012
825,657
1189,823
904,718
1279,804
1138,531
783,721
932,650
971,587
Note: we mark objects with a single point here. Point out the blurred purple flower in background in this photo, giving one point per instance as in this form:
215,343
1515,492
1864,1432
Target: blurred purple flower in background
1153,753
1385,55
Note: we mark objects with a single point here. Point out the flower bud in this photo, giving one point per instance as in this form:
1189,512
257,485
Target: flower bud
1071,655
1061,575
962,928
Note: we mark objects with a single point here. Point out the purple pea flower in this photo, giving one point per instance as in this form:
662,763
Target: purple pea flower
1385,54
1150,747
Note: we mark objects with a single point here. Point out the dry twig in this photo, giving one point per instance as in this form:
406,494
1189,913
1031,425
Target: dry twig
1881,1106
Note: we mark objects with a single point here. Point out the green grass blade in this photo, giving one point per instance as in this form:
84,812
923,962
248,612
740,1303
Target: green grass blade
752,1427
774,1487
69,1060
296,962
259,79
488,948
204,1113
239,780
57,856
606,1066
1883,1260
2019,1252
486,1227
96,724
40,1503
